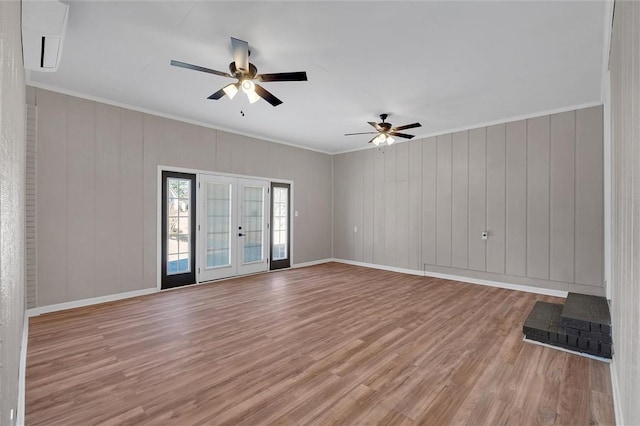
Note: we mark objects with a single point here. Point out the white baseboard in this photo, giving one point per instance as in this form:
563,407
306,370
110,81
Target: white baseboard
381,267
22,373
615,387
518,287
88,302
112,297
312,263
558,348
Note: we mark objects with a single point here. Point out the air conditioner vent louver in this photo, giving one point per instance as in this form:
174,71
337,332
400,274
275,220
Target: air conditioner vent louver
44,23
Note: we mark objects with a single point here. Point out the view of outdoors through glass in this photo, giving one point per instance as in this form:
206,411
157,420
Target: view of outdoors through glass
280,222
218,224
252,221
178,226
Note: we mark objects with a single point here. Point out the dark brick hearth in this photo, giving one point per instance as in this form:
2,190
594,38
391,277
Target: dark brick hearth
582,324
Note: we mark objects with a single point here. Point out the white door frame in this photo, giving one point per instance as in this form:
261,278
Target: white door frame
197,172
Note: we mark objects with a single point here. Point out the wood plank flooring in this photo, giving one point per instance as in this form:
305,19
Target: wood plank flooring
328,344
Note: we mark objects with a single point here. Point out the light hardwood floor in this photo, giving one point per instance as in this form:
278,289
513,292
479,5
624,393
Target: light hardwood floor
325,344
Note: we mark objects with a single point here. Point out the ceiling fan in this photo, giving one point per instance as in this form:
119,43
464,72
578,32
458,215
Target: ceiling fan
385,131
246,73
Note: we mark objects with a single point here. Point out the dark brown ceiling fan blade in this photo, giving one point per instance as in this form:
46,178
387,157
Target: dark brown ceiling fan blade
361,133
401,135
407,126
220,93
199,68
240,50
375,126
267,96
283,76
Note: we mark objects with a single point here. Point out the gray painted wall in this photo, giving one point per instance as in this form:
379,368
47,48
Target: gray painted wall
97,195
625,208
536,185
12,195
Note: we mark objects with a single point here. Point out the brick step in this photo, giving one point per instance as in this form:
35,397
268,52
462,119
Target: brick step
588,314
544,324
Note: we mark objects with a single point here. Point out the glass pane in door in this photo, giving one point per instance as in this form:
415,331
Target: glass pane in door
218,224
178,226
280,223
252,220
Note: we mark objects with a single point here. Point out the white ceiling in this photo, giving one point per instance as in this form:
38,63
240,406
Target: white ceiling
448,65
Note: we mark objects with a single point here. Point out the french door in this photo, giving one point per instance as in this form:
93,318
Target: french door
233,227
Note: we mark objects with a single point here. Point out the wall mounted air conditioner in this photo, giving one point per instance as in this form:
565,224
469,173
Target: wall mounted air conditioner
44,23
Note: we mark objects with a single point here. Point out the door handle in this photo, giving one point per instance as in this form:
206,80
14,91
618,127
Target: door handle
240,235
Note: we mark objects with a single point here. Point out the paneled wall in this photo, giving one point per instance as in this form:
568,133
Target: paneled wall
625,208
97,191
30,207
12,196
535,185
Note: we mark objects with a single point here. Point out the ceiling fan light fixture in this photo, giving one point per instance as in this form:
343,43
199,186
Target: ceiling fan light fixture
390,140
248,86
253,97
379,139
231,90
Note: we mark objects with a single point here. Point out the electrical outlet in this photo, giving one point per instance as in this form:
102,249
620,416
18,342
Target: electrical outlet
355,229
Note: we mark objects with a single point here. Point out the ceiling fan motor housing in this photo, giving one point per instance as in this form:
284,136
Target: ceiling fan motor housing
253,71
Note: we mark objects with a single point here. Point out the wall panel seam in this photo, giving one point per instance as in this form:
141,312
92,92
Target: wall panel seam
486,205
451,201
549,199
468,192
504,234
66,180
526,198
143,156
575,191
120,189
435,140
421,186
468,195
95,199
362,158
